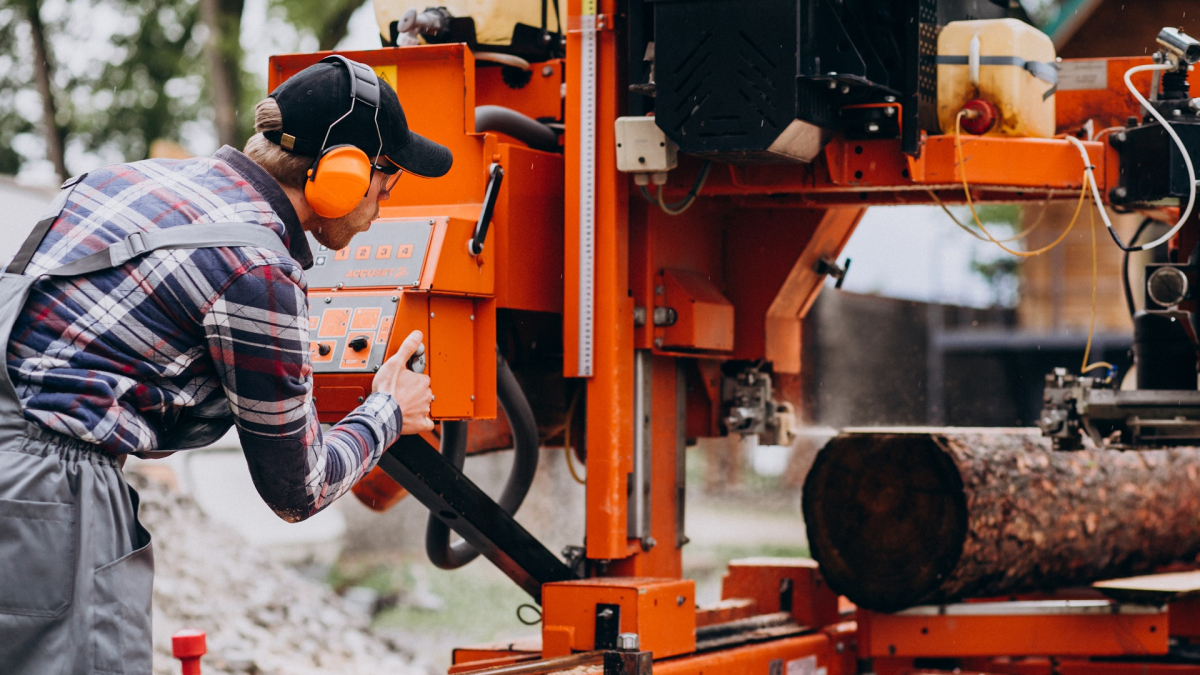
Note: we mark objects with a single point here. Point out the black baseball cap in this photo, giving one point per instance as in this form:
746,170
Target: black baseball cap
315,98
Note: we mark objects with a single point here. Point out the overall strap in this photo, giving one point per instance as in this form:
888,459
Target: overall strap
34,240
14,287
197,235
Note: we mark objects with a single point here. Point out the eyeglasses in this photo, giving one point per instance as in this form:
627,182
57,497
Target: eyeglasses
391,172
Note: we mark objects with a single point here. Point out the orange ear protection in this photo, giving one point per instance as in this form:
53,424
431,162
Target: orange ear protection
340,177
338,181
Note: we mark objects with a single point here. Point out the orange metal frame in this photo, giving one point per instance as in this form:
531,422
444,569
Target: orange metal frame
746,253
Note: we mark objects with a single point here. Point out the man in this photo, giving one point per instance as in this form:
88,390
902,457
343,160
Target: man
128,343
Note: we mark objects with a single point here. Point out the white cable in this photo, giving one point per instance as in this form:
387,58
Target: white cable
1187,160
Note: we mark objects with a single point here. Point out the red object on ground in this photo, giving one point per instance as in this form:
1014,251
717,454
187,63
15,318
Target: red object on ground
188,646
981,116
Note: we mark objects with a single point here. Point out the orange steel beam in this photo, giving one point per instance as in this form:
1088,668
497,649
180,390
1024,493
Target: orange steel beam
610,386
1013,629
802,285
804,654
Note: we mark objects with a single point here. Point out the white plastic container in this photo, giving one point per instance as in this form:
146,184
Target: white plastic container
999,61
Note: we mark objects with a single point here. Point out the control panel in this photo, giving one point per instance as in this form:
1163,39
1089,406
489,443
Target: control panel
350,333
404,274
391,253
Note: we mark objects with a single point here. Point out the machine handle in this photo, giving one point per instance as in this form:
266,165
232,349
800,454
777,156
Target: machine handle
475,246
416,362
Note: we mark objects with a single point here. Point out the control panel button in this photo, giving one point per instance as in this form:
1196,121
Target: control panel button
359,343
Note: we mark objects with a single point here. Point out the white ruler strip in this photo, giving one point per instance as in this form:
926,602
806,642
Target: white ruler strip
587,188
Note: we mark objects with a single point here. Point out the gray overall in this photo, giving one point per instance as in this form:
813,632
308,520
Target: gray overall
76,568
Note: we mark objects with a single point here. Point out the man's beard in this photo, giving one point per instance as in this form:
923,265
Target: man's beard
336,233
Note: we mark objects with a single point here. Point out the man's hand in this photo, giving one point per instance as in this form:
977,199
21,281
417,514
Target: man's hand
411,390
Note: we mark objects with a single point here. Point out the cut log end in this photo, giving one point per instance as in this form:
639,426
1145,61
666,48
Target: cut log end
894,510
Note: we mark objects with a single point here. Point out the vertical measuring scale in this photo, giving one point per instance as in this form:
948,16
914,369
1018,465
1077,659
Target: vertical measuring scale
587,186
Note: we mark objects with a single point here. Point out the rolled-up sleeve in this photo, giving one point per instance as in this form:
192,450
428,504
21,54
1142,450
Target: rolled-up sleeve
257,334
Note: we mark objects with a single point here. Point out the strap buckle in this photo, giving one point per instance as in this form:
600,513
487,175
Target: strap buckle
136,244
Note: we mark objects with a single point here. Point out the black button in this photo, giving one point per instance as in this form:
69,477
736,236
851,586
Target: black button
359,343
323,349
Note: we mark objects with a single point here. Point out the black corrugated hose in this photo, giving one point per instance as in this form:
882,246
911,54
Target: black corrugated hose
441,551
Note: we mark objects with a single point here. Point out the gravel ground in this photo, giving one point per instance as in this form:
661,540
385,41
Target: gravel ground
261,617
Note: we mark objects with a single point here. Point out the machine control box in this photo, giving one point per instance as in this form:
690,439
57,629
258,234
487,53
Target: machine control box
350,333
391,253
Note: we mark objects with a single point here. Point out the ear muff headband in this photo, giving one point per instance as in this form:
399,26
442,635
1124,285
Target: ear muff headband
338,180
341,173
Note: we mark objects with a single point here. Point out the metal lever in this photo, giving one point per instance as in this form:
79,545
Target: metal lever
475,246
830,267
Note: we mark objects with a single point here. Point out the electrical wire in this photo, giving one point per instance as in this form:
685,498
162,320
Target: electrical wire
962,172
690,198
567,439
1187,162
1087,350
1018,237
1125,266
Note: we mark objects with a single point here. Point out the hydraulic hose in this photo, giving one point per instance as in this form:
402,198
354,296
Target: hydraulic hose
521,127
441,551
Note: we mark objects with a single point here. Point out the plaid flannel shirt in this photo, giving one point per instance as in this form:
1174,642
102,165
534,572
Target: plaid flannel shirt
117,357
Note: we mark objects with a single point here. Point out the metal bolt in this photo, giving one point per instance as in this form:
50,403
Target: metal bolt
839,647
658,342
472,317
605,613
472,397
375,368
1120,192
659,290
889,112
328,300
627,642
432,398
845,89
431,315
679,600
431,221
547,71
360,399
395,298
873,127
889,99
338,287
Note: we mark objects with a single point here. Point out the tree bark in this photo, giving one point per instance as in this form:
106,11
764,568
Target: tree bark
224,21
898,519
43,73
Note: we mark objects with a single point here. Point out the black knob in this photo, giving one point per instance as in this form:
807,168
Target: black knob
359,343
323,348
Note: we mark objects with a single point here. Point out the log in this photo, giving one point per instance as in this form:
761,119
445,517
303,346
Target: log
898,518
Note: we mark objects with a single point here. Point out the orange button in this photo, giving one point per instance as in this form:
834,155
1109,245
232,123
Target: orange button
404,251
343,254
365,318
384,251
362,253
334,323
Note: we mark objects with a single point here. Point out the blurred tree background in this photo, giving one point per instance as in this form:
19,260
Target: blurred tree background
86,78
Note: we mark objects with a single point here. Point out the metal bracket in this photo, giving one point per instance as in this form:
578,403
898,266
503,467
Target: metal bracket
495,178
